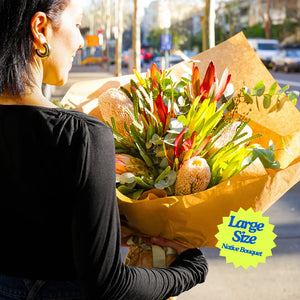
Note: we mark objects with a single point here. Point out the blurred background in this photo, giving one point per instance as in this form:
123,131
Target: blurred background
136,32
120,35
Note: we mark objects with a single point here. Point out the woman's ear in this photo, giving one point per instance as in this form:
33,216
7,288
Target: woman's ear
39,27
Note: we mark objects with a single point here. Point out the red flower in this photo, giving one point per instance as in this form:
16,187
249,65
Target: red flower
205,87
152,73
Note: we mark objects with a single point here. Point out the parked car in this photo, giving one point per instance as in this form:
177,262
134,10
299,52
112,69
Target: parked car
266,49
126,58
287,60
172,59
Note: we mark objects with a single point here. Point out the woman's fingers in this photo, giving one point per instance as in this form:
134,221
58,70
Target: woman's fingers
167,243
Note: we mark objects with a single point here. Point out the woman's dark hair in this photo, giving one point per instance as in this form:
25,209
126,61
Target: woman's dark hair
16,40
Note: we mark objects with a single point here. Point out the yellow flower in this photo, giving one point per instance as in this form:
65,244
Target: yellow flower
193,176
226,135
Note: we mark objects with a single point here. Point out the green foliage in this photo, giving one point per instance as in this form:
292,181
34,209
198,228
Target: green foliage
274,95
255,31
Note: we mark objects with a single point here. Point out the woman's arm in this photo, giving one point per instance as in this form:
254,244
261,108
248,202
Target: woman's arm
97,237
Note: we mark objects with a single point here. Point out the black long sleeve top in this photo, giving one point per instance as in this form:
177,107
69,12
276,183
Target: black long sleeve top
59,217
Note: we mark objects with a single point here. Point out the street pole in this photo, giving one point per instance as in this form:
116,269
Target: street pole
211,21
167,63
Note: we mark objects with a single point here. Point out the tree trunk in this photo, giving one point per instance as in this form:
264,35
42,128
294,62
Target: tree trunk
107,32
119,40
208,25
205,26
136,38
267,22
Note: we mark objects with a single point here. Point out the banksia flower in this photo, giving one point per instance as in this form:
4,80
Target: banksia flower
226,135
127,163
193,176
113,103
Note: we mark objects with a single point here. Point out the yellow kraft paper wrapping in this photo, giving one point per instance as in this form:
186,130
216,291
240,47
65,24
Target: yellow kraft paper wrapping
192,220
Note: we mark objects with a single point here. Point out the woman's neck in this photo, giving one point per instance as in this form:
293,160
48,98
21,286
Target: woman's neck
35,97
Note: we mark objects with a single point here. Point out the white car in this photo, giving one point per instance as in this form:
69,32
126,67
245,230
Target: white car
287,60
266,49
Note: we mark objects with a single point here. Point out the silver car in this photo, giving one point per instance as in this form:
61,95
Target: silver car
287,60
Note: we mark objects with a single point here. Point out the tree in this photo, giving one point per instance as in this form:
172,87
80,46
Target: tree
119,40
208,25
266,18
136,38
107,32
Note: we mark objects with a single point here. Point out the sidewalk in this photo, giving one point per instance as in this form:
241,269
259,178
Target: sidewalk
81,73
277,279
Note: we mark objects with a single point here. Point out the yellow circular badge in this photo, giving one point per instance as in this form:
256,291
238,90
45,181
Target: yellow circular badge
245,238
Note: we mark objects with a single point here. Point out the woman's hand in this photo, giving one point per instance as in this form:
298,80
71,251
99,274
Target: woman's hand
167,243
156,241
124,239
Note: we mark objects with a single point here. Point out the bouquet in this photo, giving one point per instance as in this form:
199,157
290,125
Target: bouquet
173,139
232,143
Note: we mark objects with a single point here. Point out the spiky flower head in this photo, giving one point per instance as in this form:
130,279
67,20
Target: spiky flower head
193,176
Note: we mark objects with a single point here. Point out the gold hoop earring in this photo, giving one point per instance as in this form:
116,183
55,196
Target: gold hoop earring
46,53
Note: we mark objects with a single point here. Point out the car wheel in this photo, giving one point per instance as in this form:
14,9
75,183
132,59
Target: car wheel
285,69
274,67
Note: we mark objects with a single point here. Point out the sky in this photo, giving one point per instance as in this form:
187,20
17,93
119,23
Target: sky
143,3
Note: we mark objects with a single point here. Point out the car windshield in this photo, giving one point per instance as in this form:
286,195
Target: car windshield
293,53
267,46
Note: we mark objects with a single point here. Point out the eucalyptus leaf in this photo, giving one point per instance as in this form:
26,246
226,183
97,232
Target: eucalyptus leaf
285,88
267,100
126,177
273,88
271,145
248,97
293,95
267,157
259,89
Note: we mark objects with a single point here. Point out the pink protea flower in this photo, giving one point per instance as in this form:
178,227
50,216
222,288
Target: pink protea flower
127,163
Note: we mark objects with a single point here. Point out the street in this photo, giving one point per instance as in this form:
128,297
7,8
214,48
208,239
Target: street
292,79
278,277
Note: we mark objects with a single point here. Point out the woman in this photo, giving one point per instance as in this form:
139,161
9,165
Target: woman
59,222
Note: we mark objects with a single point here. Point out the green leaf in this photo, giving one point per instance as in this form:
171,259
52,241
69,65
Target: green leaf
273,88
182,119
271,145
293,95
259,89
123,189
267,157
248,97
136,195
142,183
181,85
127,93
285,88
163,174
267,100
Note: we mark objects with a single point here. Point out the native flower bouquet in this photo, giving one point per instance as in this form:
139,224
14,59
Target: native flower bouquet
158,113
183,137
